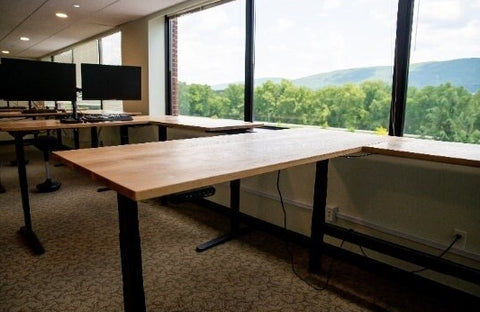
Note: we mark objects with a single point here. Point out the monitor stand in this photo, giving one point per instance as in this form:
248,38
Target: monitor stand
74,117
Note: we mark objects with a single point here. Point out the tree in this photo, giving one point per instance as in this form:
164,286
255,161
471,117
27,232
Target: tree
377,102
346,106
444,112
234,96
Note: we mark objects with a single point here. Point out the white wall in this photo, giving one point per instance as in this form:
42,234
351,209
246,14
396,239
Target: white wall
414,203
135,52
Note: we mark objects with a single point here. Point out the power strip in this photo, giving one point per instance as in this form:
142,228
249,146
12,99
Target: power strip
191,195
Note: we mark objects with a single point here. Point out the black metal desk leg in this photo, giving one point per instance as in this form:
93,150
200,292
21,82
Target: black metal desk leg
131,255
2,189
59,137
318,216
76,138
93,137
26,231
162,133
123,135
234,219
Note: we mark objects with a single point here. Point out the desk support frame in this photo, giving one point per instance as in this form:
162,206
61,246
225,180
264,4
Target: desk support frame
234,219
27,230
162,133
124,135
131,255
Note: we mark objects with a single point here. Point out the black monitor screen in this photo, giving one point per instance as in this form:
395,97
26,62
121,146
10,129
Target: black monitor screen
111,82
25,80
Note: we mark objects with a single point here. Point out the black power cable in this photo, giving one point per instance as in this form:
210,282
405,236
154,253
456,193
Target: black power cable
290,253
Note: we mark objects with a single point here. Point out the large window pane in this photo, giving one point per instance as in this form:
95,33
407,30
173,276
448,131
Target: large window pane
325,63
111,54
64,57
443,100
85,53
210,51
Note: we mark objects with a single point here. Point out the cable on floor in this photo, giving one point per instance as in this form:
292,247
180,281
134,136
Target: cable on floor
290,253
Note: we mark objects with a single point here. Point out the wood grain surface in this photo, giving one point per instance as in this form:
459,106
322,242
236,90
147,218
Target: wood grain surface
445,152
185,122
148,170
203,123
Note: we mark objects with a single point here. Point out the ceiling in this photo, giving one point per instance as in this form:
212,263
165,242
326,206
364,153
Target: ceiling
36,20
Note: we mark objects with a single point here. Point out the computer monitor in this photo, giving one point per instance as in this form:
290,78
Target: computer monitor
111,82
27,80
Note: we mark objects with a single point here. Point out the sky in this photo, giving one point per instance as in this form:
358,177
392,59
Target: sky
298,38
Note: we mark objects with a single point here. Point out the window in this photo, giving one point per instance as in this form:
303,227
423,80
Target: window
64,57
210,60
443,99
85,53
330,63
106,50
111,54
325,63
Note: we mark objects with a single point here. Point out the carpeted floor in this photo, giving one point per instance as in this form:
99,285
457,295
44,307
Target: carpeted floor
80,270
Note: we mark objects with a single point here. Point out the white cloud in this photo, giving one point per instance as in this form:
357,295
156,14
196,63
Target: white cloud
439,11
330,4
283,24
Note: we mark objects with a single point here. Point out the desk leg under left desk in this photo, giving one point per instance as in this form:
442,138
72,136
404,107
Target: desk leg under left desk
27,230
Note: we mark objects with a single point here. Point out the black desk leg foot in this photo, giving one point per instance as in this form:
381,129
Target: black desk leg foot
214,242
234,219
2,189
318,216
32,240
131,255
220,240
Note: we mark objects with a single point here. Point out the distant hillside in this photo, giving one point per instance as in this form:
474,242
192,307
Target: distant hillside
341,77
459,72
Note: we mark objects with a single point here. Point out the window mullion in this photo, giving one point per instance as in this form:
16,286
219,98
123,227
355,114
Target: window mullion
401,65
249,59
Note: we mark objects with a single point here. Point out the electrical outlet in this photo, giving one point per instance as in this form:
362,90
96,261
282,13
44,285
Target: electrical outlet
331,213
460,243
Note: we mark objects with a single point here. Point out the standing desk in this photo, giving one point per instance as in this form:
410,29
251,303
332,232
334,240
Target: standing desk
149,170
20,128
57,114
200,124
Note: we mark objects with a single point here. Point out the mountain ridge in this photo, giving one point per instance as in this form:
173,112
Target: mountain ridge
460,72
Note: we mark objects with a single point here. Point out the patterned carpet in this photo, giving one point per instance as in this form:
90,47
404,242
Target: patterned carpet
80,270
